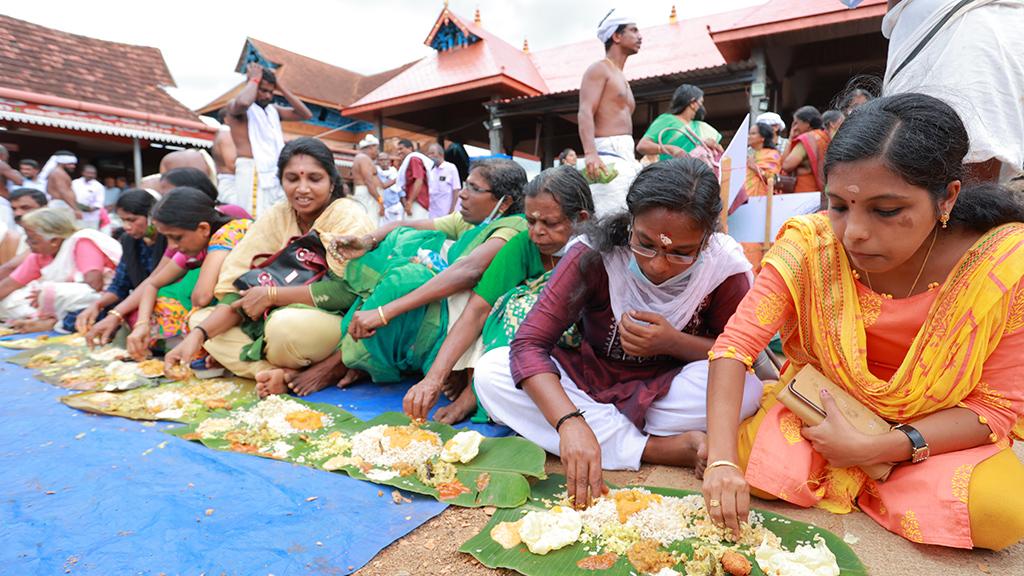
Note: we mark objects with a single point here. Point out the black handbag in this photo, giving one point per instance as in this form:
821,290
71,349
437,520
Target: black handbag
302,261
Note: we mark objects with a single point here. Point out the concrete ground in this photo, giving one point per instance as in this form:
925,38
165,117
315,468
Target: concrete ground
432,548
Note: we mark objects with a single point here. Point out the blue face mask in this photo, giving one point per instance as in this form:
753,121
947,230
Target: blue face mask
494,212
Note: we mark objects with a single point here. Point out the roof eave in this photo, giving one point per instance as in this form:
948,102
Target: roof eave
795,24
357,109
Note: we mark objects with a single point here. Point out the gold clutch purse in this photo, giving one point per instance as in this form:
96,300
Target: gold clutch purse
803,397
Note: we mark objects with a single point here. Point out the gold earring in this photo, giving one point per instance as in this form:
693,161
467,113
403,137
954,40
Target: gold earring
944,219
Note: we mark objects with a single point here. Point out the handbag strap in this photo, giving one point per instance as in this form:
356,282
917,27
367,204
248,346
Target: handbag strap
928,37
688,132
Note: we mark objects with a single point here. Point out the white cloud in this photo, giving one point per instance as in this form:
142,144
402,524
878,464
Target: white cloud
201,40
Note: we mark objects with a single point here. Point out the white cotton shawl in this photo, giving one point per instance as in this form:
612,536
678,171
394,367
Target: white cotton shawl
678,298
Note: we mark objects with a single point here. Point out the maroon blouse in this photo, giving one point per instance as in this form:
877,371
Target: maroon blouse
577,293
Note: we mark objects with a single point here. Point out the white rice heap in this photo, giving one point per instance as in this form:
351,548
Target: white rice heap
263,424
333,444
172,400
669,520
374,447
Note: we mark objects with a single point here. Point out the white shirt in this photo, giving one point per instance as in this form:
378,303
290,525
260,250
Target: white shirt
89,193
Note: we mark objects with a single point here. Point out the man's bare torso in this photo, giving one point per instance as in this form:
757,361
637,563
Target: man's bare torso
363,169
223,151
614,113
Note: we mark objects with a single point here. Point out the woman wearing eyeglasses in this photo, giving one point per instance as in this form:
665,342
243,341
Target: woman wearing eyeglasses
648,296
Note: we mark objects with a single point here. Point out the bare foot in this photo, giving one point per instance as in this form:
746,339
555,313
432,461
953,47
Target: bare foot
273,381
458,410
319,375
688,450
351,377
455,384
40,325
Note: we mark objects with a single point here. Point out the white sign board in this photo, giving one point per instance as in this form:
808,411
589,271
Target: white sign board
747,223
737,152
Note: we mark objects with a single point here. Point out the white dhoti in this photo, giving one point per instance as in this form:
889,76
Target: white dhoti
682,409
394,213
361,194
18,305
973,64
255,191
418,212
226,188
615,151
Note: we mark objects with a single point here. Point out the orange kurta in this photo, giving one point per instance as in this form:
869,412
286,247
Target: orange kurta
954,362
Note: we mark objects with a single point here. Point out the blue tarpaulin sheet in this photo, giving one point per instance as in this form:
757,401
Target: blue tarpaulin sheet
86,494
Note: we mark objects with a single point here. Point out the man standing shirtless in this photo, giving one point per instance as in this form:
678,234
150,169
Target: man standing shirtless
256,132
606,115
57,175
223,153
364,176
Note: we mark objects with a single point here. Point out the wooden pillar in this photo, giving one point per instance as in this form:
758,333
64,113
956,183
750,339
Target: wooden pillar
380,128
547,159
759,85
137,161
494,127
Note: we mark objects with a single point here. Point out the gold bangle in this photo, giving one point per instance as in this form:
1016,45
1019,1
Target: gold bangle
272,293
380,312
117,315
718,463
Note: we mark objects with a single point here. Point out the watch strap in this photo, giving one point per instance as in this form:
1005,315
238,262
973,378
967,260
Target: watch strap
917,441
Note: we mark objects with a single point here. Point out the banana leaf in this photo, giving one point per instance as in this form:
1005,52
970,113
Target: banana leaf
563,562
505,461
62,362
134,404
26,342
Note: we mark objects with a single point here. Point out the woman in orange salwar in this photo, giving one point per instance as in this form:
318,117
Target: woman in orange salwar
805,158
909,295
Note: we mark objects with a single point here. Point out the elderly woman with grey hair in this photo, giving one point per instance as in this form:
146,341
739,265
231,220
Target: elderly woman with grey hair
65,272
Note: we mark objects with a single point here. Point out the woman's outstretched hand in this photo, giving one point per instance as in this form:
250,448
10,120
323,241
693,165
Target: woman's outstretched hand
581,456
727,497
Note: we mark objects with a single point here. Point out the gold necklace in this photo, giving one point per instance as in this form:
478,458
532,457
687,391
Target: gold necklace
612,62
919,272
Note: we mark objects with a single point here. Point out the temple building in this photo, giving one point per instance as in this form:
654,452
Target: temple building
479,89
323,88
104,101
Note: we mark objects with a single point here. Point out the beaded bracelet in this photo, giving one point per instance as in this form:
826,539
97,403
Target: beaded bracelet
562,420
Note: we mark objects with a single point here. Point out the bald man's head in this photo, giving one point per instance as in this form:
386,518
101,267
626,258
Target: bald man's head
184,159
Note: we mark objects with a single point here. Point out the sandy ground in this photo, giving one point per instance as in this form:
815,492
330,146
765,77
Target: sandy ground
432,548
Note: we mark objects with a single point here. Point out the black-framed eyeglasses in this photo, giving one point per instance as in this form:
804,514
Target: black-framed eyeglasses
646,252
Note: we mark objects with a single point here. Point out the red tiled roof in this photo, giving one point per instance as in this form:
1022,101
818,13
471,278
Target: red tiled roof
42,60
310,79
490,58
667,49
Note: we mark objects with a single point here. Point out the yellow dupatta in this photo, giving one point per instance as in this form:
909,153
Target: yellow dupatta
944,364
945,361
273,229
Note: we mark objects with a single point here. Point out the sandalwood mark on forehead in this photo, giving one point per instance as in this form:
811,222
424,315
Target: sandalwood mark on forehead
535,214
853,189
665,239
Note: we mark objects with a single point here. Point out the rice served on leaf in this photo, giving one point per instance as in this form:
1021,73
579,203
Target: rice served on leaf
264,427
396,446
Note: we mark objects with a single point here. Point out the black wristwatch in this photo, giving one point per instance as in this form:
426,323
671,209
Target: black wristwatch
920,450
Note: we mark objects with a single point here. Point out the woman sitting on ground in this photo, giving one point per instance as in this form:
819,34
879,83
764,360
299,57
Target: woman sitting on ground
300,328
908,295
410,296
648,299
67,269
555,202
141,250
202,237
808,143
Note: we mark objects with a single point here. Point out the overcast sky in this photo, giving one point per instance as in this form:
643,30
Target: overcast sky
201,40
